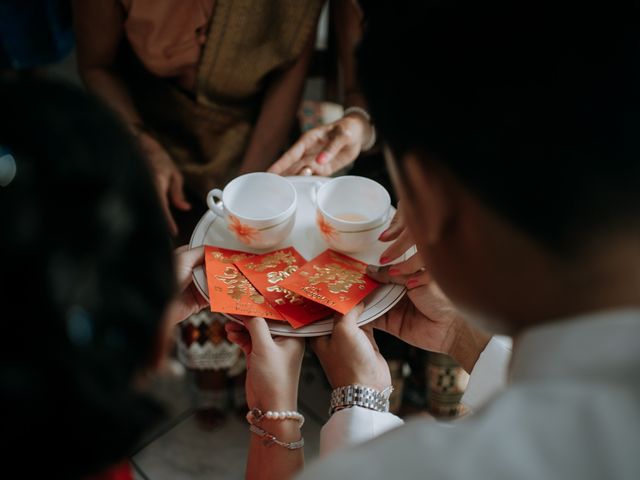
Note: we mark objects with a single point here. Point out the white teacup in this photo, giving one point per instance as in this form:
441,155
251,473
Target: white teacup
352,212
259,208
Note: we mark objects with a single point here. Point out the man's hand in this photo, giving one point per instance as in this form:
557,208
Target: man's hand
350,354
427,319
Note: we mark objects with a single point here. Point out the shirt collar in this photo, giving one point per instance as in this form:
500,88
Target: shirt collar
595,345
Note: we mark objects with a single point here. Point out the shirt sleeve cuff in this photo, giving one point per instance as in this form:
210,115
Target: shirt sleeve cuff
489,375
354,425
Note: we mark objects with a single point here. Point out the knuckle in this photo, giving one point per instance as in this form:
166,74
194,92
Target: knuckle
325,170
346,133
310,136
340,130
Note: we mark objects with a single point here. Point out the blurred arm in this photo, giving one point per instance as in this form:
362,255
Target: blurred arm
99,31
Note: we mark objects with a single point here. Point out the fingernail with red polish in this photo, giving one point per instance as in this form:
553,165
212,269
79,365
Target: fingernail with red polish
383,234
395,271
322,158
384,260
412,283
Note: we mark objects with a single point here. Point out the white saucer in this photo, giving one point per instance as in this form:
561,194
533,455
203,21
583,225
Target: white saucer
212,230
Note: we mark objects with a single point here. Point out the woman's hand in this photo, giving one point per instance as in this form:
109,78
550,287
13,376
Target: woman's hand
350,354
168,179
402,240
273,365
325,149
189,300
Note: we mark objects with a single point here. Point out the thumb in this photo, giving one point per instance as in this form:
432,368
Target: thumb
368,331
337,140
320,344
350,320
259,332
186,260
177,193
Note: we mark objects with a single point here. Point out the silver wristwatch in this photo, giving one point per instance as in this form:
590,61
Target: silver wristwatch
361,396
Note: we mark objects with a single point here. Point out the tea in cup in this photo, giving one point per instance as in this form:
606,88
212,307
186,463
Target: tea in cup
352,212
259,208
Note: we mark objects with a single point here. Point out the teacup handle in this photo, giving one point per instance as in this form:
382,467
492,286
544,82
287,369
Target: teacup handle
214,202
314,192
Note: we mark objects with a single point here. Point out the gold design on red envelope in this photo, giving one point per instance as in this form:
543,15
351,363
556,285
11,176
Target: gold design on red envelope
275,277
332,279
245,233
267,272
220,257
338,279
287,297
229,290
351,262
238,286
272,260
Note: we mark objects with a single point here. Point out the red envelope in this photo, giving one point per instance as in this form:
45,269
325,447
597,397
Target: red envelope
332,279
267,272
229,290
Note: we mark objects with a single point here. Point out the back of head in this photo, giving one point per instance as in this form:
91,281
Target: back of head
535,108
86,275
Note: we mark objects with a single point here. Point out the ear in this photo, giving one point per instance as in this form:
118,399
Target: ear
429,195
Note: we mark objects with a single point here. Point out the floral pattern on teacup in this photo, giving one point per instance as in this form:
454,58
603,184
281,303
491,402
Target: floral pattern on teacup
326,229
243,232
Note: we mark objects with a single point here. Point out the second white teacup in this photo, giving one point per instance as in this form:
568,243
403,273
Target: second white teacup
259,208
352,212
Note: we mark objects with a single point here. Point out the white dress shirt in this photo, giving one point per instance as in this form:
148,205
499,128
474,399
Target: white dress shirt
571,410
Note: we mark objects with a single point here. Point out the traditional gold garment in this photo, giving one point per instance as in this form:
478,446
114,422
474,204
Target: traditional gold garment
206,131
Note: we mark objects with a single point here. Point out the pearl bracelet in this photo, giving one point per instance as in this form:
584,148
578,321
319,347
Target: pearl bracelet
255,416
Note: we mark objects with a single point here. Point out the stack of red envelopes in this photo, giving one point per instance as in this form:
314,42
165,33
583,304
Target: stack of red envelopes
282,285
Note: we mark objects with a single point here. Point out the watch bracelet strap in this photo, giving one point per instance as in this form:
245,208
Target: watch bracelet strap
361,396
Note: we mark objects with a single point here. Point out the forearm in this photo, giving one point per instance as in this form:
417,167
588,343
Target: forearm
277,114
99,33
347,18
469,342
274,461
106,84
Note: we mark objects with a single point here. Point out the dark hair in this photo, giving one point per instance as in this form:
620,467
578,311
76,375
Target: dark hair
86,275
535,108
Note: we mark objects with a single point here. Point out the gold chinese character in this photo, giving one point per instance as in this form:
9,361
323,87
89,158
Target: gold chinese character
289,296
238,286
273,260
358,266
219,256
337,278
275,277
